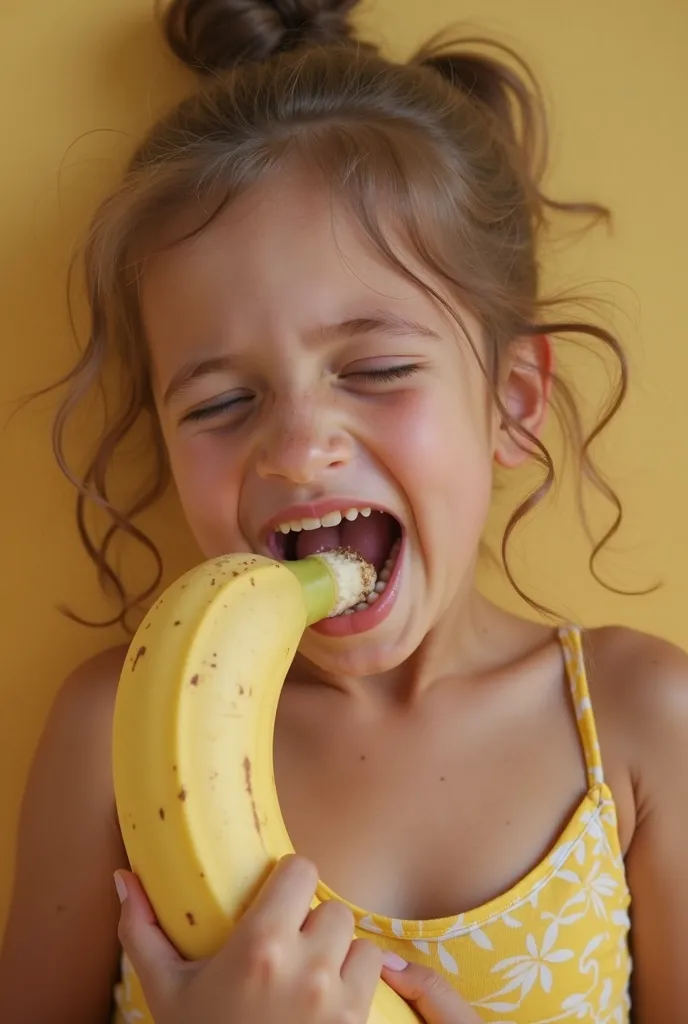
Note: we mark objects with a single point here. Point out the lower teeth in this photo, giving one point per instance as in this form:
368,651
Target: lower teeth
381,585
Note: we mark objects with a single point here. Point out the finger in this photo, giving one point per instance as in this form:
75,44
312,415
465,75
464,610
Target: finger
361,971
153,957
330,930
284,900
430,994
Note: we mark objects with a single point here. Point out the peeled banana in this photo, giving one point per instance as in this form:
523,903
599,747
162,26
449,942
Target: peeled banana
193,738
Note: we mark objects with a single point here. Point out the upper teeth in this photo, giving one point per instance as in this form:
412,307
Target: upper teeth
329,519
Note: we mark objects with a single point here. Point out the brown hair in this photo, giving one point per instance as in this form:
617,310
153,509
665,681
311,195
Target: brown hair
454,142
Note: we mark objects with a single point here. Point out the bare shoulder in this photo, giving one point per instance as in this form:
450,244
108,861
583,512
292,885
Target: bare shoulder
639,686
645,676
59,955
92,685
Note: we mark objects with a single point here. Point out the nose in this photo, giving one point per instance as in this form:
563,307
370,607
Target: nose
301,443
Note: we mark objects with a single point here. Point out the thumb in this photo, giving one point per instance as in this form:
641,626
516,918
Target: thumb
153,957
428,992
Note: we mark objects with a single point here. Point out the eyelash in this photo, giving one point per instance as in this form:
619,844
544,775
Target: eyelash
385,376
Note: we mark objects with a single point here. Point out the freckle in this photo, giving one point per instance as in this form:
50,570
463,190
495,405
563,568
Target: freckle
161,812
190,918
442,778
60,908
363,757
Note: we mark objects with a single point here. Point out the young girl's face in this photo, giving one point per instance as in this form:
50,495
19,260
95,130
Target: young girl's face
297,373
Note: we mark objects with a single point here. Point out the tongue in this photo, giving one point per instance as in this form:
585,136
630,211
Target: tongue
372,538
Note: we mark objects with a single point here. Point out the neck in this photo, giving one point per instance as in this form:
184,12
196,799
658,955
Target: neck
472,638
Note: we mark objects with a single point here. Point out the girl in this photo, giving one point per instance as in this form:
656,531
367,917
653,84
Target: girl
319,279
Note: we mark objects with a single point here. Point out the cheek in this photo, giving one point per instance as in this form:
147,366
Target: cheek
208,483
436,439
438,450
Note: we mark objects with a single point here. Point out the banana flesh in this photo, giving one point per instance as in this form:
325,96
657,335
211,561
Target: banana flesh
193,740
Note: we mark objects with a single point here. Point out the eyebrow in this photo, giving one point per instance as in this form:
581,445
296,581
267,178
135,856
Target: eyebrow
378,323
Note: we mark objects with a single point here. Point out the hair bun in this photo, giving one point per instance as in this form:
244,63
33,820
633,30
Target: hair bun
210,35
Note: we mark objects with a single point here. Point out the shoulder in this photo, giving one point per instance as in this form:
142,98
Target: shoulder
77,733
97,676
80,721
60,947
87,696
639,687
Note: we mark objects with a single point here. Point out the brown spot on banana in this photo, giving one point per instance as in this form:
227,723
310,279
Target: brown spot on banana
249,790
139,654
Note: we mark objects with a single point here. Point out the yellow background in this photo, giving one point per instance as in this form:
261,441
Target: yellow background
80,79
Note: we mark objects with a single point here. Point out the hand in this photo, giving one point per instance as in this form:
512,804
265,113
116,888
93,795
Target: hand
283,961
429,993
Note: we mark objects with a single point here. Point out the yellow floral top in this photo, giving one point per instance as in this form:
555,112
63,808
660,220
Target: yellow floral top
552,948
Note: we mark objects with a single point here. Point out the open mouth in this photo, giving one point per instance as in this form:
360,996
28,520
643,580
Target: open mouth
373,533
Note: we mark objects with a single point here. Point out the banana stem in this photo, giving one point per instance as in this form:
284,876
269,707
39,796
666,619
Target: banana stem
333,581
320,590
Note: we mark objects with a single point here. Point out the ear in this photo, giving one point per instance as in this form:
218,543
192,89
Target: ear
525,392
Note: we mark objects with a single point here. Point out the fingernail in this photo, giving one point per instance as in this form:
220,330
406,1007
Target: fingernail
394,962
120,886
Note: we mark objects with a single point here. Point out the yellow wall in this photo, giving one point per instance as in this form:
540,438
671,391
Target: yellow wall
615,74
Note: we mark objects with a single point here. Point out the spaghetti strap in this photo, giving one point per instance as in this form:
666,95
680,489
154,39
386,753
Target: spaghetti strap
572,646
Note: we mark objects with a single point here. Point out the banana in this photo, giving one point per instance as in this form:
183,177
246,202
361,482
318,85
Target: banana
193,738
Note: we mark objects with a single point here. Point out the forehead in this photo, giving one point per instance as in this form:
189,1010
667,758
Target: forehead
283,247
282,263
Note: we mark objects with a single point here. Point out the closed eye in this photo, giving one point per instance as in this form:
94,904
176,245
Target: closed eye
384,375
387,373
207,412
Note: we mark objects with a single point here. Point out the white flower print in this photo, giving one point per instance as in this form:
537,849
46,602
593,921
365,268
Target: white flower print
594,822
368,925
458,929
599,886
477,935
526,971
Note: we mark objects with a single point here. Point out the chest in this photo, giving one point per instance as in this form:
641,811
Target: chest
427,814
